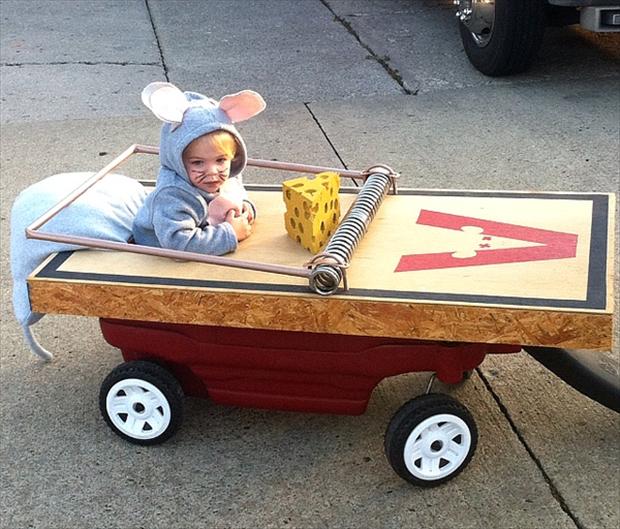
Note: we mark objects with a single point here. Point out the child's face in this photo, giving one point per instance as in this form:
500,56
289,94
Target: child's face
207,167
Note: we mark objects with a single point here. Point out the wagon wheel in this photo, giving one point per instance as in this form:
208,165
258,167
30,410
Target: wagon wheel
141,402
430,439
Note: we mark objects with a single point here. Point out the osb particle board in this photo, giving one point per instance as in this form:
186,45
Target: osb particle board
502,267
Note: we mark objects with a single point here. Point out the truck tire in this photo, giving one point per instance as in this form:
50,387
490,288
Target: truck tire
503,37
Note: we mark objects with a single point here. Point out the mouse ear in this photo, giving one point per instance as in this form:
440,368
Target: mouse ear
242,105
166,101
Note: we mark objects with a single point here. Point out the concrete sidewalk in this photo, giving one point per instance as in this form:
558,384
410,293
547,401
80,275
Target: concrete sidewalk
339,77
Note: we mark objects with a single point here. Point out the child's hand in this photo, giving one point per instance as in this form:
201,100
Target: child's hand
218,209
246,208
240,224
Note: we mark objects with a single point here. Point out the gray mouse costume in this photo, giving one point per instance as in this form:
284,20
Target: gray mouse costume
174,215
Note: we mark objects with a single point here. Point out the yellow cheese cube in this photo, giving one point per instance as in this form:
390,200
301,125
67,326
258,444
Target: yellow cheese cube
312,209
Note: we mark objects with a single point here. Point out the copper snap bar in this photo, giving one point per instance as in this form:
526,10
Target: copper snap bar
79,191
323,271
303,168
102,244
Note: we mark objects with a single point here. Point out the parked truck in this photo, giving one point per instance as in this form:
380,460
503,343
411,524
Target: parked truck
502,37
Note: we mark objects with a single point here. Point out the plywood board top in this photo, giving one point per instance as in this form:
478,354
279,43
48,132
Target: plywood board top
544,255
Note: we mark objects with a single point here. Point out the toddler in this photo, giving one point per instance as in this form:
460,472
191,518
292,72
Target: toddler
201,155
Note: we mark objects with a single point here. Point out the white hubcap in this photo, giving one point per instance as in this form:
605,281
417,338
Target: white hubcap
437,447
138,408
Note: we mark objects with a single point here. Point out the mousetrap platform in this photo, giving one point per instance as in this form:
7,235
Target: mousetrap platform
444,265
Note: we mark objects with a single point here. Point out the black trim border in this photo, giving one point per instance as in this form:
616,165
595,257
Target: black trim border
596,296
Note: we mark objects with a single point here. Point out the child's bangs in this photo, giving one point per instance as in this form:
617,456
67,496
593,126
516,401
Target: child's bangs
223,142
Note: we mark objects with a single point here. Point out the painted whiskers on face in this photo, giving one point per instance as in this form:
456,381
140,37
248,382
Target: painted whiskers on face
207,167
200,174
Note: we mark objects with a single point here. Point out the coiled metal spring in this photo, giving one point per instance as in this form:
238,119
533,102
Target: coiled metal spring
328,267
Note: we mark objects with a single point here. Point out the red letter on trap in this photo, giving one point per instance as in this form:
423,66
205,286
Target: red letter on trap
552,244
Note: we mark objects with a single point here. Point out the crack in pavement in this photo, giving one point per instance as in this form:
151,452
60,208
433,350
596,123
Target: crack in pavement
333,147
550,483
87,63
161,53
383,61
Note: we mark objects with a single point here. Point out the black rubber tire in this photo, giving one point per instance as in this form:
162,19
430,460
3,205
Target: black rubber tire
159,377
408,417
517,34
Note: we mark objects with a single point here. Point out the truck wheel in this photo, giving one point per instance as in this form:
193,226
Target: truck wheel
501,37
141,402
430,439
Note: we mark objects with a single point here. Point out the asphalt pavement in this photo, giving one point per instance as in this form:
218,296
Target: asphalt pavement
347,83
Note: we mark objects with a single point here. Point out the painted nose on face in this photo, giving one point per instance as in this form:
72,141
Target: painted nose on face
211,169
211,173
